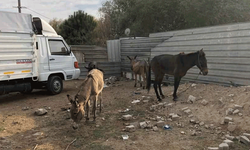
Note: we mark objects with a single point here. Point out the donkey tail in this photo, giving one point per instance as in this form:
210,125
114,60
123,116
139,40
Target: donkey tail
149,76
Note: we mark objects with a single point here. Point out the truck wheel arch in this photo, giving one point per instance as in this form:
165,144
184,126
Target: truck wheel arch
55,83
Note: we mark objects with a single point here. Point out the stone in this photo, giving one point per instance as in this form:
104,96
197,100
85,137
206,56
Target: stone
213,148
191,99
223,146
188,111
192,121
160,123
229,142
227,119
38,134
229,137
185,108
135,124
25,108
170,105
201,123
236,111
41,111
240,114
206,126
194,133
153,107
229,111
126,117
193,85
171,114
182,132
145,124
130,128
175,117
247,135
190,116
231,95
204,102
245,140
155,128
158,118
238,107
231,127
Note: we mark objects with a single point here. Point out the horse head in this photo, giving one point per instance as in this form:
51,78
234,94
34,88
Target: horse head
202,62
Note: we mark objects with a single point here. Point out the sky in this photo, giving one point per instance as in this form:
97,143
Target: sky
50,9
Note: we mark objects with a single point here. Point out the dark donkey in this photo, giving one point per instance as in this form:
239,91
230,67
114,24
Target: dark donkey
139,67
176,65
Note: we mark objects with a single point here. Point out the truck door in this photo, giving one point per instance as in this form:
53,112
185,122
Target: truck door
60,59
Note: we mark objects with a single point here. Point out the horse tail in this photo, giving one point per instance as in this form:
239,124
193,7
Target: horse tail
149,76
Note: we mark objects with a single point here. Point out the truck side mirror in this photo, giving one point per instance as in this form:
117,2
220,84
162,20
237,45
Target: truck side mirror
69,50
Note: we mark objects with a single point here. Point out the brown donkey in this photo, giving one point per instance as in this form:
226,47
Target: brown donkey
139,67
176,65
91,87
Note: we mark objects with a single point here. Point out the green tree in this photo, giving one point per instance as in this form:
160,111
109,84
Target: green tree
149,16
55,23
78,28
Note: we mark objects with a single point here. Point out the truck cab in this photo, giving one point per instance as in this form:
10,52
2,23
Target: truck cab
38,58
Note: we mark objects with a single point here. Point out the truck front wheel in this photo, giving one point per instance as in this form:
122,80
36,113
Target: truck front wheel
54,85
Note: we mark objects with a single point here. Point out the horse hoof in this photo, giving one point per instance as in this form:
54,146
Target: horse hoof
162,96
143,87
159,100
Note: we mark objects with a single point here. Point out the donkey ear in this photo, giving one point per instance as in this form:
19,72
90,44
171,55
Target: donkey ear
135,56
129,58
70,99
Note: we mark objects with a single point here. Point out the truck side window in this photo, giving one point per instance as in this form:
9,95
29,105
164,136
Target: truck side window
57,47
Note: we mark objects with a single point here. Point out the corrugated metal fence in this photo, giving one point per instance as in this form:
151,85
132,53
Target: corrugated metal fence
109,68
87,53
227,49
140,47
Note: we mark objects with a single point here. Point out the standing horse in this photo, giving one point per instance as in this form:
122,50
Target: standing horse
91,87
139,67
176,65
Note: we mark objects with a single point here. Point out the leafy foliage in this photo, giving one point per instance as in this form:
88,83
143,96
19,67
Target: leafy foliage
55,24
78,28
149,16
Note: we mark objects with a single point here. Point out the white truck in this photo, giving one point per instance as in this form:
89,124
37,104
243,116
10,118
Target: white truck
33,55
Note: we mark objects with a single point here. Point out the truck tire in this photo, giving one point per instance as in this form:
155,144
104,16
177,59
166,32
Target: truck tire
54,85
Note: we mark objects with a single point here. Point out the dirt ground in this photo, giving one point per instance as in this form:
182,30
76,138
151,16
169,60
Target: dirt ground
20,129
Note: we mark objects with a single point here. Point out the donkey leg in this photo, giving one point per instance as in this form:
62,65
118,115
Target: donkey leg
176,85
100,97
156,91
135,80
95,106
140,80
159,84
144,80
87,109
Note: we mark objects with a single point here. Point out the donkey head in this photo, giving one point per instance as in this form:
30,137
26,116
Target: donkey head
77,109
91,65
202,62
132,61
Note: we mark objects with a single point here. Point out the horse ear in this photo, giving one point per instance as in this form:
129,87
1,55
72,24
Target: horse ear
201,52
129,58
135,56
